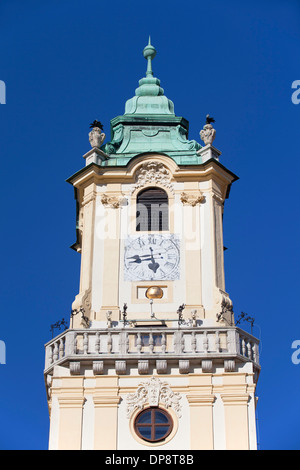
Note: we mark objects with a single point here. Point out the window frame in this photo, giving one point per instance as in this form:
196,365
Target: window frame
163,221
153,425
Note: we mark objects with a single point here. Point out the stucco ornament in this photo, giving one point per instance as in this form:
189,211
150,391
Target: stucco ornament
112,201
208,134
191,199
96,137
226,310
155,173
153,392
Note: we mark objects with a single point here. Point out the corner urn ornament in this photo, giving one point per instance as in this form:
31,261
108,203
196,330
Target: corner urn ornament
96,137
208,133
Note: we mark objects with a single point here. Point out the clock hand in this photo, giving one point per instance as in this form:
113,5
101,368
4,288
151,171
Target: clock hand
142,256
153,265
136,258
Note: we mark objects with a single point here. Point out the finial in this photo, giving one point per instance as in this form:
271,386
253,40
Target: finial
96,137
149,53
208,133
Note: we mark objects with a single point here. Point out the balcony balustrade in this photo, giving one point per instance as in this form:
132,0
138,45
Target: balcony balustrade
125,344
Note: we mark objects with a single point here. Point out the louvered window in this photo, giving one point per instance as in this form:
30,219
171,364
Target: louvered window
152,210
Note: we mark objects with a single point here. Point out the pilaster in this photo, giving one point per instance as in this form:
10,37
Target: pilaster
236,420
201,399
70,400
111,253
106,401
192,199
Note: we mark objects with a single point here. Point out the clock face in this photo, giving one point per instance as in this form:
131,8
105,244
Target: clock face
152,257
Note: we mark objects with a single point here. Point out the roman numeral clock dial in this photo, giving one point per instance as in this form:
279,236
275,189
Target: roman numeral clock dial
151,257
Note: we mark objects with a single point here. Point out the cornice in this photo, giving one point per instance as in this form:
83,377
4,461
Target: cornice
101,174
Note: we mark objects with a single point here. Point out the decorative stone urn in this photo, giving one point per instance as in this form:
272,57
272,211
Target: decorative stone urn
96,137
208,134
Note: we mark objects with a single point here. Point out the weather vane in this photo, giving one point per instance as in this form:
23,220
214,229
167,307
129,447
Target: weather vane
245,317
59,324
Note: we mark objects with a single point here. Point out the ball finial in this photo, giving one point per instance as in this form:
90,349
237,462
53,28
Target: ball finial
149,53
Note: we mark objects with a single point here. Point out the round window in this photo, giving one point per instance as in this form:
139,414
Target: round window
153,424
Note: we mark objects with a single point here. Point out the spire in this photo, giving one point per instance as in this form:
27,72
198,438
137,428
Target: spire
149,96
149,85
149,53
150,124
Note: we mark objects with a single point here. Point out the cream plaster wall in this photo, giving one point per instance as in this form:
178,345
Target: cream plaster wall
127,439
105,229
89,412
217,411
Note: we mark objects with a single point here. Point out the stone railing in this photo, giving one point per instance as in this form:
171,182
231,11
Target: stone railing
138,344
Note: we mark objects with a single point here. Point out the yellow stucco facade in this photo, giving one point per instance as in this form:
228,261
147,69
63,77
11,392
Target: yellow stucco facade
169,373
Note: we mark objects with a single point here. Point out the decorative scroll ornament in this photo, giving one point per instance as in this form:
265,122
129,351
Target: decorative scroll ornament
152,392
82,305
208,134
154,173
226,314
191,199
112,201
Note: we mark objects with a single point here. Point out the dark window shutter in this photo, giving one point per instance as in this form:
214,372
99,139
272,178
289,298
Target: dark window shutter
152,210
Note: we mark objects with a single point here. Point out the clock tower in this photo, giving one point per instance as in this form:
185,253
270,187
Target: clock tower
152,358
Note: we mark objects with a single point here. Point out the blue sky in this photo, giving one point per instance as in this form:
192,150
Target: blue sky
66,63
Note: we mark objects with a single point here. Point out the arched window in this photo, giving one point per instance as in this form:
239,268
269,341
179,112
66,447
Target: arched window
152,210
153,424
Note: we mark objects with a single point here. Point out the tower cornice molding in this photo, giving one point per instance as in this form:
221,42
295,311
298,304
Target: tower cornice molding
235,398
211,169
200,399
90,197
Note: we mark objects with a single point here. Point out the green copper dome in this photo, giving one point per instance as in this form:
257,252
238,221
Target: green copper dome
149,124
149,96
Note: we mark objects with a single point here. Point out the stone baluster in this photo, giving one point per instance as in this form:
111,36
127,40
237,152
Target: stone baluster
85,343
249,350
217,340
139,343
126,343
109,342
255,353
61,347
182,343
163,343
194,342
205,341
50,352
243,347
151,344
55,351
75,343
97,343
